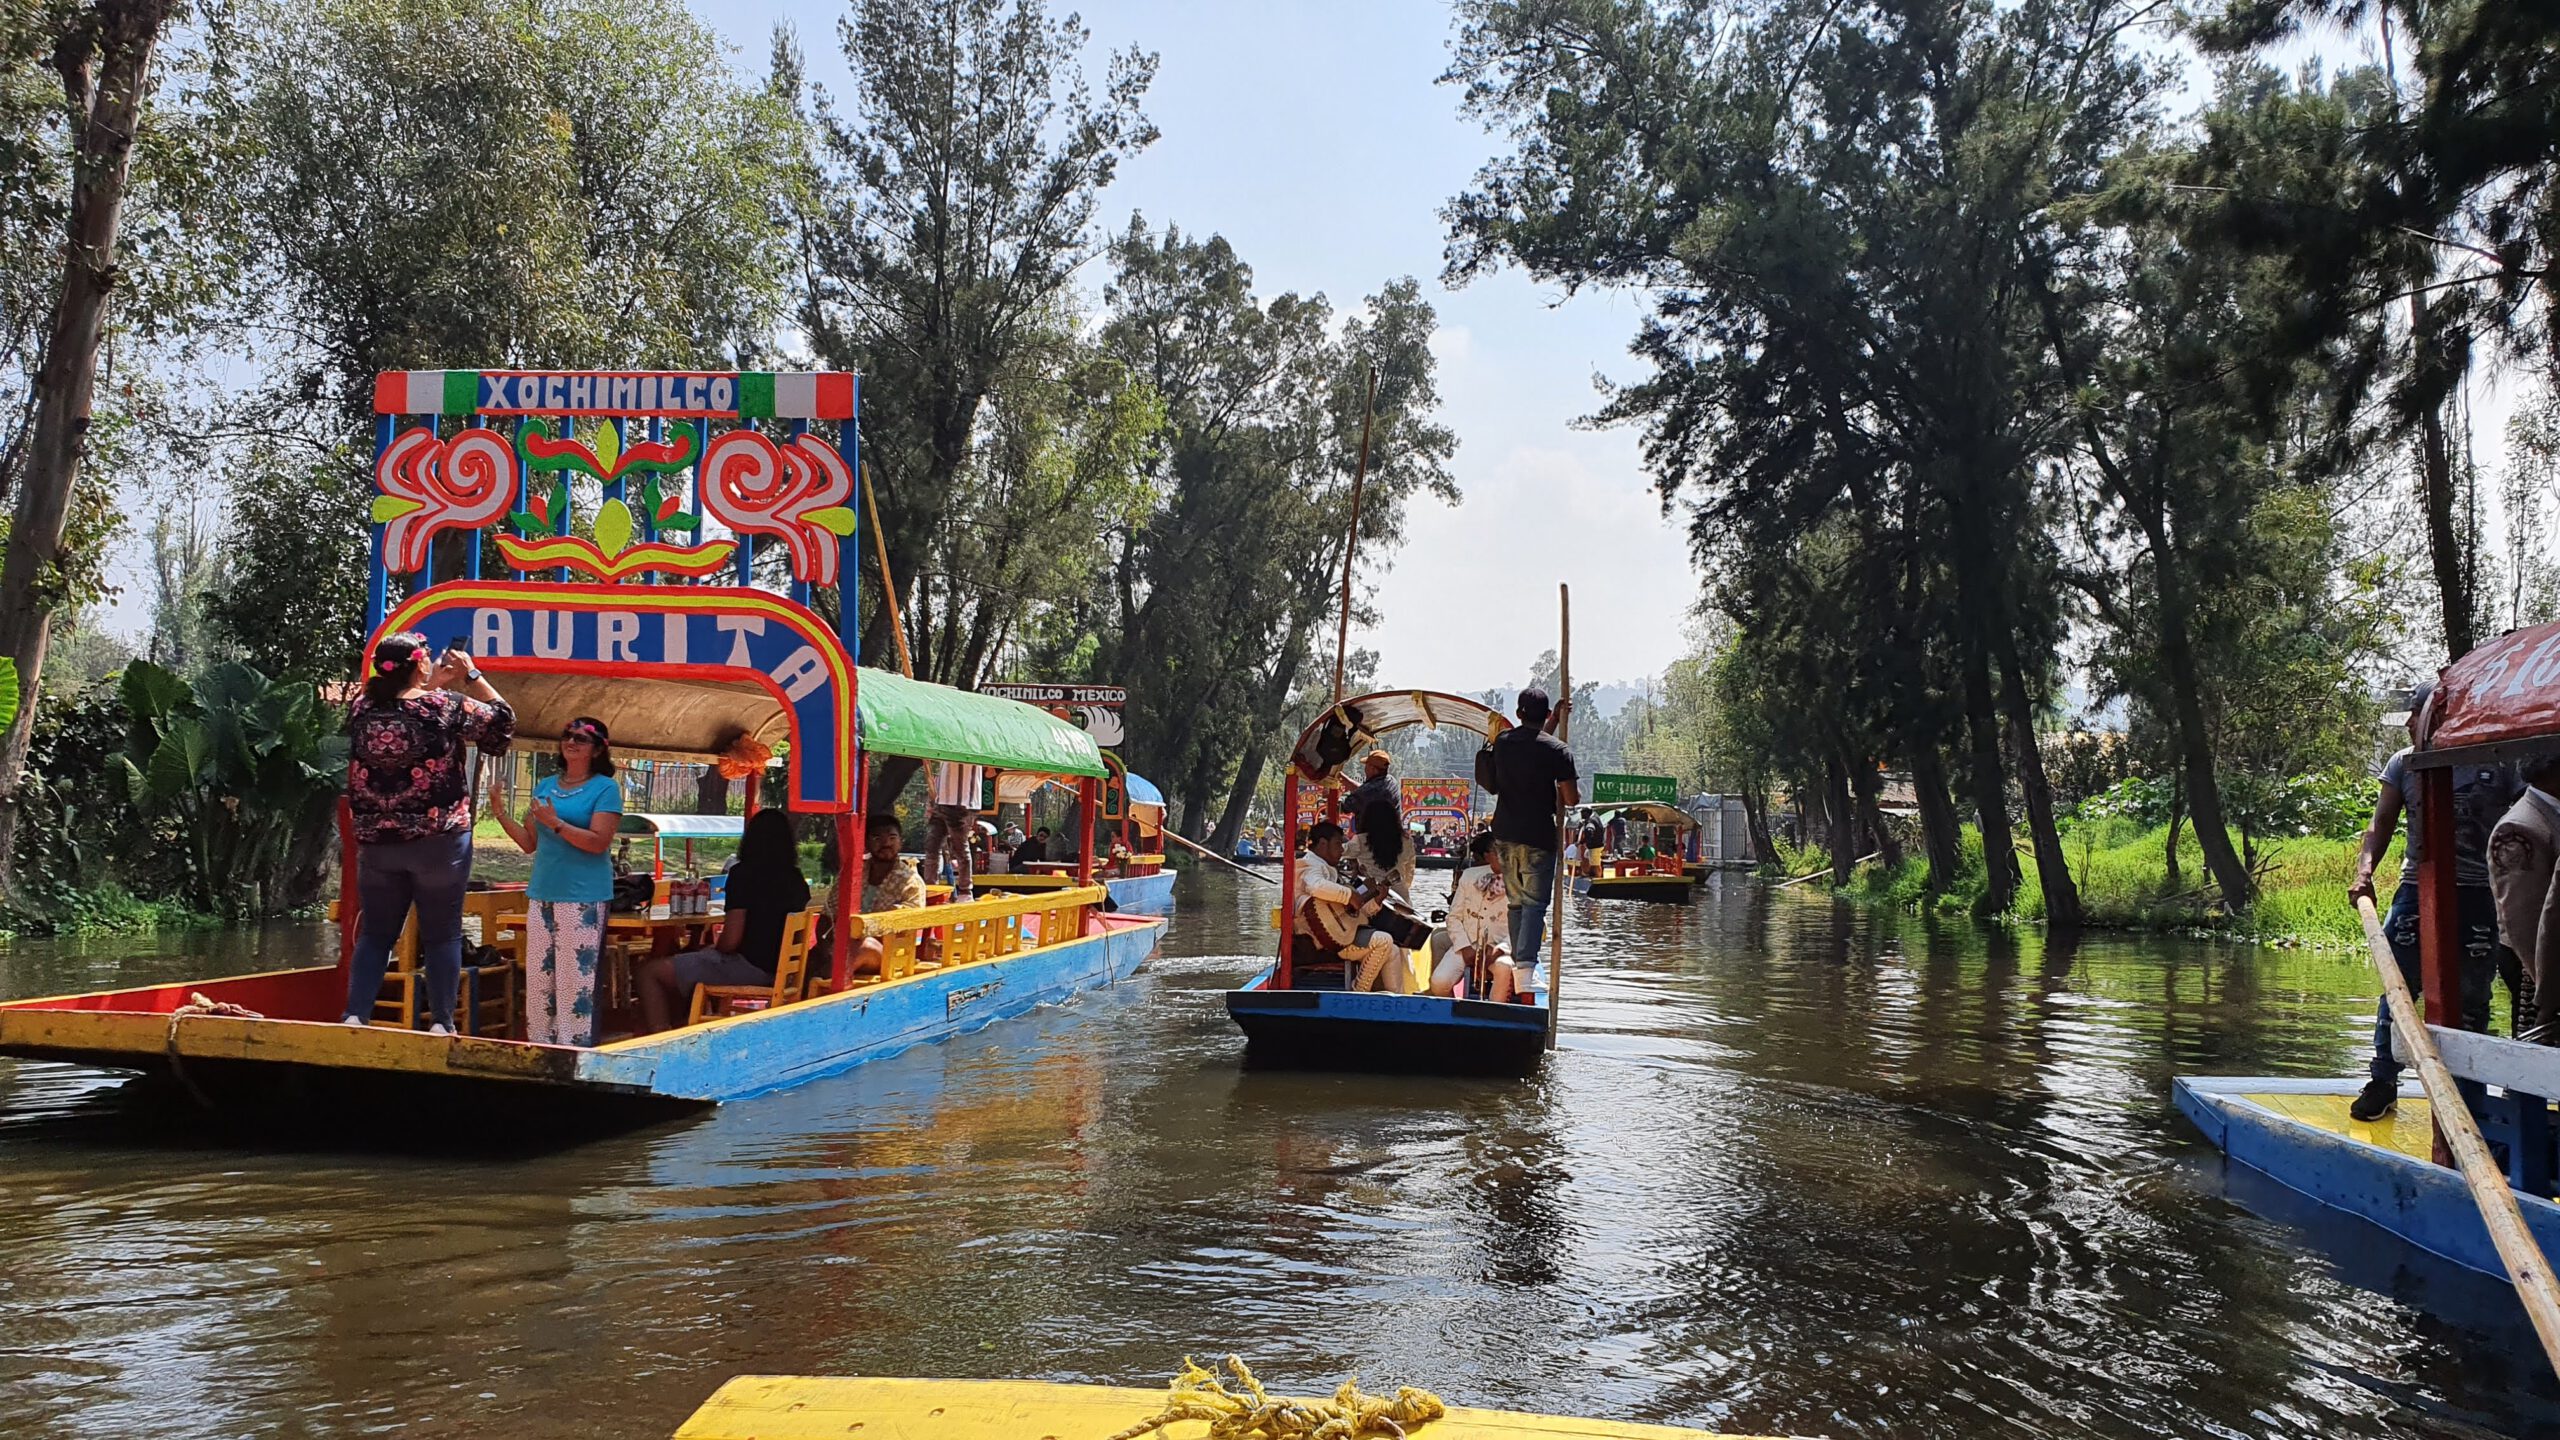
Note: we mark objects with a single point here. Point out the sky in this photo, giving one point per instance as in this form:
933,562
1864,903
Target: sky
1316,140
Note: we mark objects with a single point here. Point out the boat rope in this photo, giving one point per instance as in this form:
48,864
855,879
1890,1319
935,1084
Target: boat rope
199,1004
1249,1413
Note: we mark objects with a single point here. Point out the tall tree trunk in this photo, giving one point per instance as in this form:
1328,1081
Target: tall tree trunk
2447,546
2053,871
711,792
1239,804
1989,783
1866,786
2195,743
1755,819
104,59
1839,822
2177,820
1941,836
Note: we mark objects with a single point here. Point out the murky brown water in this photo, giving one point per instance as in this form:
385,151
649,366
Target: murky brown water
1799,1169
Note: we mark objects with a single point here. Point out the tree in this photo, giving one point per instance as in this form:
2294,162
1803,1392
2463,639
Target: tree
102,53
1835,208
1216,604
2449,219
469,184
951,212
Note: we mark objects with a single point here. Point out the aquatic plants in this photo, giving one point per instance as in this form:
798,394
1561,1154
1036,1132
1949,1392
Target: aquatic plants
235,774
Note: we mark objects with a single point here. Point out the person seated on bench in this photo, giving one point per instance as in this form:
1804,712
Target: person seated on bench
765,890
1333,913
889,882
1473,944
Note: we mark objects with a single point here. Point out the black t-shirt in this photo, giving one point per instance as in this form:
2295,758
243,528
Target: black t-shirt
1521,769
1376,809
770,897
1033,851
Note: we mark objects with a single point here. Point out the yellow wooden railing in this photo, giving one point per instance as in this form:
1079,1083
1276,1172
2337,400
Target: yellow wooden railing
943,936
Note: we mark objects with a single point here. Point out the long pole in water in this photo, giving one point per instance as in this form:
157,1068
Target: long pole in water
1351,542
1205,853
2535,1284
1555,899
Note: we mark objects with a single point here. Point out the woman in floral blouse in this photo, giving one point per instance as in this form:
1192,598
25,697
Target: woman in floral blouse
412,802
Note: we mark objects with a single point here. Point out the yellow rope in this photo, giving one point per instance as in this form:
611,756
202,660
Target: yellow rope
1248,1413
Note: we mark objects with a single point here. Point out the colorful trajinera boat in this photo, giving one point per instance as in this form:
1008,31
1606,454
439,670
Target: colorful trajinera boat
1296,1012
2499,703
1130,813
1638,800
809,1407
690,645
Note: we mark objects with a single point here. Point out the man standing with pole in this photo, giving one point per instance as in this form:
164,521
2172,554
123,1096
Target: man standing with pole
1531,777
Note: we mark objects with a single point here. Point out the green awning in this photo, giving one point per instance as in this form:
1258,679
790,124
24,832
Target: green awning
907,717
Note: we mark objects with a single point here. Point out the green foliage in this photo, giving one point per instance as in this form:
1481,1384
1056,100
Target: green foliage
237,773
941,232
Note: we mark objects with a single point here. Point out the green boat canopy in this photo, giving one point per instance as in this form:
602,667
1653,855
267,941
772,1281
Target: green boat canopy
923,721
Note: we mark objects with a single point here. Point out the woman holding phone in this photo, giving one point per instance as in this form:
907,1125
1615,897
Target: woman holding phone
567,831
411,797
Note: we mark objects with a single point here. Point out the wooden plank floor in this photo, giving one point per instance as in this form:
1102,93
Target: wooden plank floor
2407,1129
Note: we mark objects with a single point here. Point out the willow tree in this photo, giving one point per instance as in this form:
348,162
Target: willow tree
1220,602
1833,207
955,204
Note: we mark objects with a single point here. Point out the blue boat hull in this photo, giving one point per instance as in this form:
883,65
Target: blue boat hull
774,1049
1374,1031
1142,894
2425,1204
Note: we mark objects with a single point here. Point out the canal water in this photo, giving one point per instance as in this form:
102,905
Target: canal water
1799,1169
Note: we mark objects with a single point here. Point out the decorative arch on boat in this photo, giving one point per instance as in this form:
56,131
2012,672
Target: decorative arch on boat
729,661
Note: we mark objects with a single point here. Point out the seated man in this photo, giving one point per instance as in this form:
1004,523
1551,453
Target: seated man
1473,943
1332,913
889,882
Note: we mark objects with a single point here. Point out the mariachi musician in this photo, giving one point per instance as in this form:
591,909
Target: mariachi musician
1334,914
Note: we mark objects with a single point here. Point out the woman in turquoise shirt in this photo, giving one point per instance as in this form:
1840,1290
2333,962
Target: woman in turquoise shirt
567,830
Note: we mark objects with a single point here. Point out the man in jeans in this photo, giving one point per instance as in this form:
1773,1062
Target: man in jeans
2481,794
1532,779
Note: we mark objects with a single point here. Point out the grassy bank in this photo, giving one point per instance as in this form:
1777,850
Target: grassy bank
2123,873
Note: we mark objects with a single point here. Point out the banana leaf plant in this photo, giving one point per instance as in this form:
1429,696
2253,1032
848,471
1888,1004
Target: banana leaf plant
239,769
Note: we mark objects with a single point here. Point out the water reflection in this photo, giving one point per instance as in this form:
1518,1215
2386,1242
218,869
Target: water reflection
1799,1168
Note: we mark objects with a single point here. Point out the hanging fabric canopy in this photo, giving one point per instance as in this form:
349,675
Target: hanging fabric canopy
922,721
1143,791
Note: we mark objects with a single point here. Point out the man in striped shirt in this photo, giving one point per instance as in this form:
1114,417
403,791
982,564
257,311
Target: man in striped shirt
957,790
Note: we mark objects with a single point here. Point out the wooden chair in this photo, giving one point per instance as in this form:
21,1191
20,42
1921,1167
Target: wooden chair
492,996
401,1002
790,978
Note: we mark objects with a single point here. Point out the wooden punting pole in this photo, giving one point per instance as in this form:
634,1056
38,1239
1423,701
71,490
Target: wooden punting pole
1351,542
2535,1284
1564,820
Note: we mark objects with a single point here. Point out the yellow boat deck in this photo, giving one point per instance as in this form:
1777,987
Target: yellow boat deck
807,1407
2409,1128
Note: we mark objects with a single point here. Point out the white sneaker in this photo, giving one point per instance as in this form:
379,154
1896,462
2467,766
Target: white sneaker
356,1021
438,1030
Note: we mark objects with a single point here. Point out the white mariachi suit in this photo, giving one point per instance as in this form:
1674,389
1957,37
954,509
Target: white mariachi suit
1378,963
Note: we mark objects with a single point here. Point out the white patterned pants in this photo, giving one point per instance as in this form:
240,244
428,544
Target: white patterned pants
563,942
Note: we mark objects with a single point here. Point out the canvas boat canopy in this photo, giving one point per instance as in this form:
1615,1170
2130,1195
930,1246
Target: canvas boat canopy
1350,728
1143,791
1649,812
922,721
2504,693
682,827
666,719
